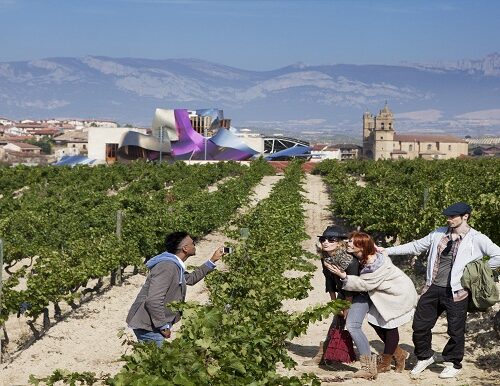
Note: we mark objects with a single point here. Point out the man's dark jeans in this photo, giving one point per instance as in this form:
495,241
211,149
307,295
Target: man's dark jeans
430,306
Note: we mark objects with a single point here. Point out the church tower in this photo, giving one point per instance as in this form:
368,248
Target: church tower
383,134
368,127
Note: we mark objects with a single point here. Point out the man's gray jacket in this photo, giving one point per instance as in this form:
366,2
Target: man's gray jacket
149,311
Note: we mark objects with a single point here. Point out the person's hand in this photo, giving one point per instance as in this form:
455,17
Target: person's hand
166,333
217,254
335,270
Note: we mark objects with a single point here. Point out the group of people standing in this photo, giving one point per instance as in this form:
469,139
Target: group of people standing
360,272
387,297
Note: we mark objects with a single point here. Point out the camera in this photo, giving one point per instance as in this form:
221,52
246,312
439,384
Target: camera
228,250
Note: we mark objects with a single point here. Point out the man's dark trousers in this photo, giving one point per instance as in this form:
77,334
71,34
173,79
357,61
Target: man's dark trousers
430,306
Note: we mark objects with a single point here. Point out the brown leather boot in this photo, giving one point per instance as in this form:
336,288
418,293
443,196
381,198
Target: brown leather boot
317,359
400,356
384,363
368,368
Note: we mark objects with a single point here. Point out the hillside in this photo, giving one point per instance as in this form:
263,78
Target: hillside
307,101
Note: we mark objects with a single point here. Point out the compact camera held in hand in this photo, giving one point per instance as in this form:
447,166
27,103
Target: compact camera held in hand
228,250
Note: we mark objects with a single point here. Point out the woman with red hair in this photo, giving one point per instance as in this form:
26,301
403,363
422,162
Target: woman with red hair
392,296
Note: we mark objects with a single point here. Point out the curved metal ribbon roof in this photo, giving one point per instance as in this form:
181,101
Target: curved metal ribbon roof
133,138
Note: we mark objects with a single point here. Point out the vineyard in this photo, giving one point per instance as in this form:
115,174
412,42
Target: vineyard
67,232
404,199
65,223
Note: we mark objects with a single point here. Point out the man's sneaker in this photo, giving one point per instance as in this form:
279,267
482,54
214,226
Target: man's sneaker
449,371
422,365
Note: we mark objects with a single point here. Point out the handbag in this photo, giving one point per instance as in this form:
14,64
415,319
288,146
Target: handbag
340,347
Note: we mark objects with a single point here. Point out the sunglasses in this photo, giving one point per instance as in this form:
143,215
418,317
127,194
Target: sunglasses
322,239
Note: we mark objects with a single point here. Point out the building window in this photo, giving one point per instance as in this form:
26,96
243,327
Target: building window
449,147
381,137
111,149
390,125
382,125
410,148
429,147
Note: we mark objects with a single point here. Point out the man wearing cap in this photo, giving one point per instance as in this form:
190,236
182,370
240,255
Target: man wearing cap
450,249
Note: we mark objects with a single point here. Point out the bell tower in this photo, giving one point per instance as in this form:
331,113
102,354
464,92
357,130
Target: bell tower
368,127
384,134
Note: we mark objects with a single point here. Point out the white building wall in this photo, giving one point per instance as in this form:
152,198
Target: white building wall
100,136
59,153
254,141
320,155
6,122
15,131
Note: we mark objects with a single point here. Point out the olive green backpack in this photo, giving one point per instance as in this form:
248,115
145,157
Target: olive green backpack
478,278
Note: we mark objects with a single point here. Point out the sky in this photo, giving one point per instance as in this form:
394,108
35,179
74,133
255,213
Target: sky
252,34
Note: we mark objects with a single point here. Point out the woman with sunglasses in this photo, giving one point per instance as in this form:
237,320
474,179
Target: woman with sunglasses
331,246
392,296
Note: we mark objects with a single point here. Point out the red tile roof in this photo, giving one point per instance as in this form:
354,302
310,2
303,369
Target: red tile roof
415,137
44,131
23,145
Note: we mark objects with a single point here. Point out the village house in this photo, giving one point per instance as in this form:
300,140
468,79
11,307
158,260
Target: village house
22,147
320,152
71,143
6,122
41,134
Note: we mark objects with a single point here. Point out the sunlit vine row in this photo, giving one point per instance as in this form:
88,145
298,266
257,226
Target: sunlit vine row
405,198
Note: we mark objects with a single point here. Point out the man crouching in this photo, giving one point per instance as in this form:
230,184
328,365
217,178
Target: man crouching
166,282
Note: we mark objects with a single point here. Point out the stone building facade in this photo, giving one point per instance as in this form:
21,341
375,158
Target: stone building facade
380,141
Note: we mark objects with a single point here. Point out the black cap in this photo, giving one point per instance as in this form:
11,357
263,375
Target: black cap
459,208
335,231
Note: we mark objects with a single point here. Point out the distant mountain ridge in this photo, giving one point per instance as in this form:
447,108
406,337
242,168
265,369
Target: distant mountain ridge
306,101
489,66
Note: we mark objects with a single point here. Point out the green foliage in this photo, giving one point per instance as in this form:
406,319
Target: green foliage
68,230
45,144
73,379
240,337
405,198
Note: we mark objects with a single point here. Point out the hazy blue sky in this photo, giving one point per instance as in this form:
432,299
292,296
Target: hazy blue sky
253,34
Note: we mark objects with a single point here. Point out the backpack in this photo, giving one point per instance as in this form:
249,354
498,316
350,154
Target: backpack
479,280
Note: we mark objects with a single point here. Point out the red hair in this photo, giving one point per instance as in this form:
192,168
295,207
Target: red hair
364,242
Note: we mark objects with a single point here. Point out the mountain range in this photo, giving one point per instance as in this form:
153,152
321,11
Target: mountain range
314,102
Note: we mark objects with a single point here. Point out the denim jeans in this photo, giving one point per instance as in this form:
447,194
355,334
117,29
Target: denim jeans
149,336
355,316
